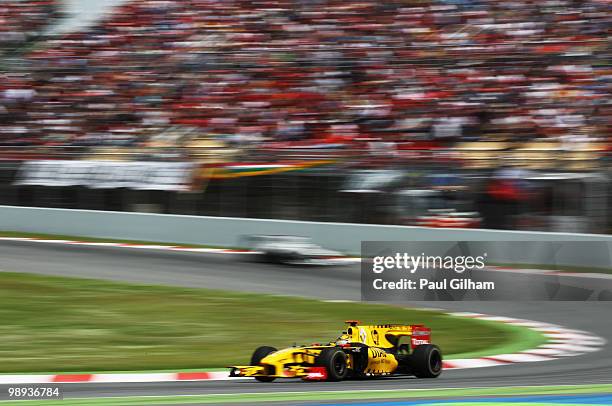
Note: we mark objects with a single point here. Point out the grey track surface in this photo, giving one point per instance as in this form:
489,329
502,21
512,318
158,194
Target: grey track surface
236,273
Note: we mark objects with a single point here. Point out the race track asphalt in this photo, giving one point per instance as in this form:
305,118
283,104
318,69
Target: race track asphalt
235,272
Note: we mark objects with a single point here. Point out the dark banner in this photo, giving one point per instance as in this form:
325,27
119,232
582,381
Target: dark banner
502,270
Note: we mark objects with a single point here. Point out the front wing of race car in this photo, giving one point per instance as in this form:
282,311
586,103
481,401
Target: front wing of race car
290,371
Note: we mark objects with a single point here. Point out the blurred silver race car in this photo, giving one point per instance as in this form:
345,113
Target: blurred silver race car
289,249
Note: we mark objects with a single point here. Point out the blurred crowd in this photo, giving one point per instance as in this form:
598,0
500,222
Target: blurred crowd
317,72
21,20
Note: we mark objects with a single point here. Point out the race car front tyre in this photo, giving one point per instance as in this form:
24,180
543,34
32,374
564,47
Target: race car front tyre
334,361
426,361
259,354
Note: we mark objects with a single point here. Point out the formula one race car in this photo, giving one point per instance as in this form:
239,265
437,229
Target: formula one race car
361,351
289,249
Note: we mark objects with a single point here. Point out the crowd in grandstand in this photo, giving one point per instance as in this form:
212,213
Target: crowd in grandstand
321,72
22,20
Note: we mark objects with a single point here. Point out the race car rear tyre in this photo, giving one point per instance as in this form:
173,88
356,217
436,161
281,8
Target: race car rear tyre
334,361
256,358
426,361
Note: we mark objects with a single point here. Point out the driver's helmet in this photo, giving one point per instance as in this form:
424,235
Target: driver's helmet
343,339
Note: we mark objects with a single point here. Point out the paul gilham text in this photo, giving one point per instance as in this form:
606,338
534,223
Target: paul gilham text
426,284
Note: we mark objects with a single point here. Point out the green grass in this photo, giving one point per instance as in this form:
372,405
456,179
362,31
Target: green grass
65,324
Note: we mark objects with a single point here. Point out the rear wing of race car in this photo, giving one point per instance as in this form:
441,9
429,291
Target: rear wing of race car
420,335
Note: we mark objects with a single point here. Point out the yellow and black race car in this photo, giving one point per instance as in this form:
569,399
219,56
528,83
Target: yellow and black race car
361,351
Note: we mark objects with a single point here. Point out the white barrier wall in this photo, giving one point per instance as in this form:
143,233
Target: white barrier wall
225,231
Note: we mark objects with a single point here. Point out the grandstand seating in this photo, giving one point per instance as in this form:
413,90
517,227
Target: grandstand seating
333,72
22,20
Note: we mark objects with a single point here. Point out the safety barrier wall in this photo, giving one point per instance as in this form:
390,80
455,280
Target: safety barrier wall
226,232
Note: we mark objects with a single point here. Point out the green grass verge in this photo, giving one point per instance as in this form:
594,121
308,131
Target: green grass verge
365,395
519,339
67,324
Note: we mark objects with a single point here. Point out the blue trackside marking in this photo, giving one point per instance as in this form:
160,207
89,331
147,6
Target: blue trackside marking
587,400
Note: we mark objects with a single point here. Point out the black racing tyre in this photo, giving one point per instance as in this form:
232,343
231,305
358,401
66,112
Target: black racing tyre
426,361
359,362
258,355
334,361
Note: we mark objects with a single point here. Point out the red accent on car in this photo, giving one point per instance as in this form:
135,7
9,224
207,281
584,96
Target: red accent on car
316,374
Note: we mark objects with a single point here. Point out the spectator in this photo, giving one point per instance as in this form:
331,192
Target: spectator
338,71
